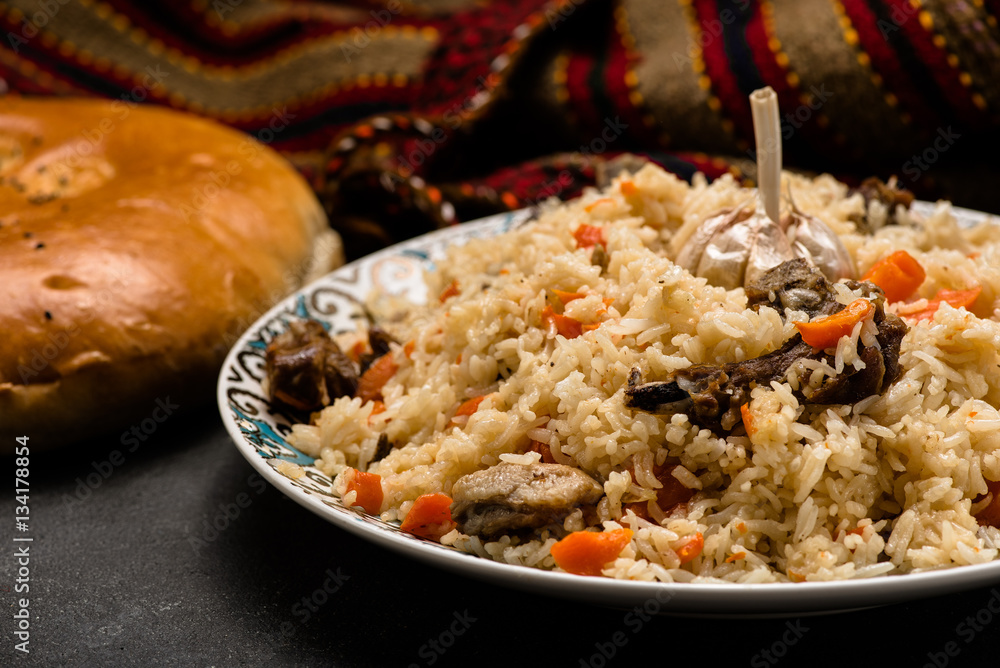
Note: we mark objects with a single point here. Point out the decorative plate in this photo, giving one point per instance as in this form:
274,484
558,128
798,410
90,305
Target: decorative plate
259,430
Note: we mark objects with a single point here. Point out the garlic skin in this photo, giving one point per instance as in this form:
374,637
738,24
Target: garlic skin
735,247
717,263
813,240
769,248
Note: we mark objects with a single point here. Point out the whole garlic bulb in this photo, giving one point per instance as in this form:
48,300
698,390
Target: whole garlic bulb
733,248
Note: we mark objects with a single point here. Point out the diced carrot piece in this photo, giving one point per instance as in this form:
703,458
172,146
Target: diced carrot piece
408,348
544,450
589,235
899,275
567,297
449,291
596,203
691,549
369,489
378,407
565,325
825,332
736,557
470,406
378,374
632,197
429,517
747,419
568,327
672,493
990,515
959,298
587,552
955,298
357,350
604,309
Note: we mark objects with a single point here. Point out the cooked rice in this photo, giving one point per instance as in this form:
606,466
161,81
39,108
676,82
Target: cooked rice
816,493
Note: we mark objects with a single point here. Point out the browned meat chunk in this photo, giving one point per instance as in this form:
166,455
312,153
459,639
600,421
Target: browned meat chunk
599,257
382,448
306,369
712,394
888,194
794,284
989,514
508,497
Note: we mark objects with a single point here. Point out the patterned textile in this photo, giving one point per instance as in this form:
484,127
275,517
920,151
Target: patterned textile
409,115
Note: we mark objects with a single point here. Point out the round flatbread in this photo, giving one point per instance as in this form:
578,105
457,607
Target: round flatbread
136,243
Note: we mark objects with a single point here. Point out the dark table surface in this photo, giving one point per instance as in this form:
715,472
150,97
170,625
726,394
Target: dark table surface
126,570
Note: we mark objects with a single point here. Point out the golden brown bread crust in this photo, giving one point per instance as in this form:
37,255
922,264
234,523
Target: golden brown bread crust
136,244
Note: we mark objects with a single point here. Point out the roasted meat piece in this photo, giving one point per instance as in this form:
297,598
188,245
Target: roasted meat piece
794,284
508,497
306,369
712,394
889,194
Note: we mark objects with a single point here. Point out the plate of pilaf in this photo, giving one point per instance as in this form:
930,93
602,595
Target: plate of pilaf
595,400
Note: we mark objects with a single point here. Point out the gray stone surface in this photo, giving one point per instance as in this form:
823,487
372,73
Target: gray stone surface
127,569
